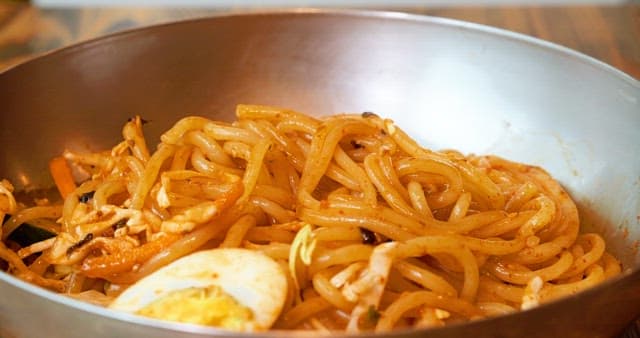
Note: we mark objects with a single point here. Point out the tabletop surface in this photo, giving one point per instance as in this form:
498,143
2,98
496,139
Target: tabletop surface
608,33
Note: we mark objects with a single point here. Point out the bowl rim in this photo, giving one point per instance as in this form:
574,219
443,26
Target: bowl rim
347,13
175,327
356,13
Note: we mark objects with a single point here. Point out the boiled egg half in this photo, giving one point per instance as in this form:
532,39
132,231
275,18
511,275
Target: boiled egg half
234,289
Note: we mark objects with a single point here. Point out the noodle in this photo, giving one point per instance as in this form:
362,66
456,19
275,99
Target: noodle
376,232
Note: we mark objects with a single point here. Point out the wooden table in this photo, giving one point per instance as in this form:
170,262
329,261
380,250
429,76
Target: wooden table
610,34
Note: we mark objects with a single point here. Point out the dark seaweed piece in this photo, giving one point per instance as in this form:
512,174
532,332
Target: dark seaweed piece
356,145
27,234
368,237
86,197
373,315
80,243
119,224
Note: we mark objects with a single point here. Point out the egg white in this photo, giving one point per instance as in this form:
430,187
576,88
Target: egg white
253,279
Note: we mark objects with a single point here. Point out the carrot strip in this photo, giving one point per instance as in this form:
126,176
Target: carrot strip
122,261
61,173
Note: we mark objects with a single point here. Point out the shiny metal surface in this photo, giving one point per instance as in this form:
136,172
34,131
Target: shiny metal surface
449,84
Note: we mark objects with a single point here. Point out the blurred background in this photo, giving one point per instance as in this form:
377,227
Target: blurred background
608,30
264,3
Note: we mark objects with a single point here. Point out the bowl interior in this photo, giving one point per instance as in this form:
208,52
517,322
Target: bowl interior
449,84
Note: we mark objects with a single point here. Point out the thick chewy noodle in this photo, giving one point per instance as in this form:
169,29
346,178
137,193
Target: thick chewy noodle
374,231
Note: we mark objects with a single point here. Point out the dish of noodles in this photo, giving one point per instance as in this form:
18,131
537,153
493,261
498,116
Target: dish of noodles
284,221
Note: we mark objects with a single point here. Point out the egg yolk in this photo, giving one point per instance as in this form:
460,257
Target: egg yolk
209,306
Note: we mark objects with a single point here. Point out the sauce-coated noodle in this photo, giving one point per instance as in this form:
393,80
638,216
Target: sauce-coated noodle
382,232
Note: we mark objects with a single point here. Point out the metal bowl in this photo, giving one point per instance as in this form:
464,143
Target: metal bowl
450,84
